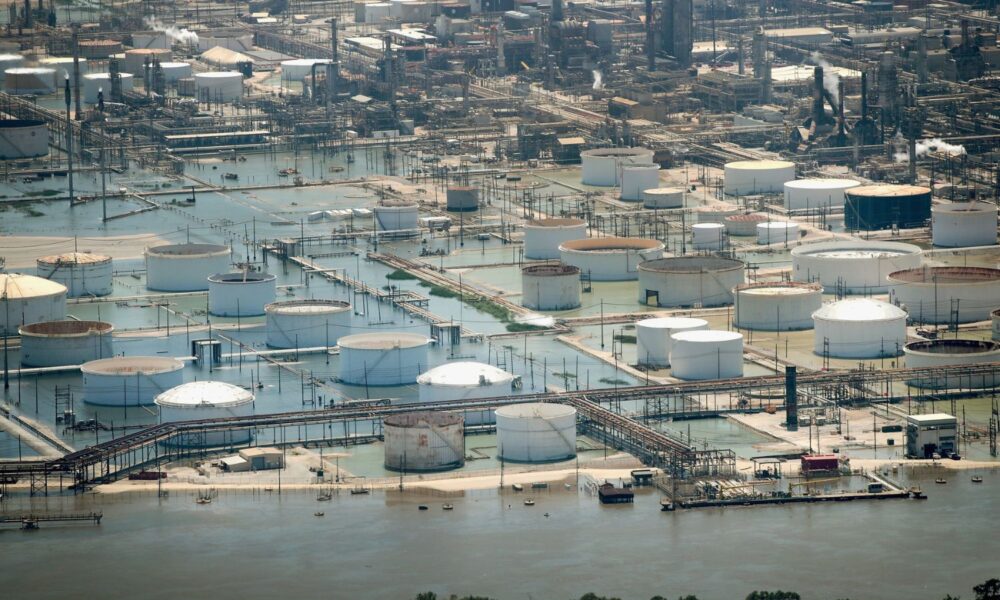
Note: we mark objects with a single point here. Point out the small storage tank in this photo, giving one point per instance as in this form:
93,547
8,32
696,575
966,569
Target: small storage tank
307,323
63,66
59,343
708,236
83,273
602,166
610,258
94,83
218,86
946,294
297,69
857,267
172,71
383,358
653,341
669,197
715,213
745,224
129,381
184,267
536,432
424,441
859,328
23,139
397,216
884,206
689,281
817,194
944,353
198,400
92,49
638,178
242,294
706,354
779,306
135,60
777,232
964,224
744,177
462,198
543,237
23,81
28,299
550,287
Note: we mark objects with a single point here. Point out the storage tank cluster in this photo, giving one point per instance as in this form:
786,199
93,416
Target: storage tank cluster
465,380
95,83
26,299
885,206
382,358
746,177
946,294
543,237
964,224
708,236
536,432
60,343
398,217
603,166
857,267
23,138
610,258
817,194
859,328
638,178
550,287
83,273
306,323
243,294
689,281
777,232
129,381
779,306
184,267
218,86
198,400
668,197
424,441
23,81
944,353
706,354
654,341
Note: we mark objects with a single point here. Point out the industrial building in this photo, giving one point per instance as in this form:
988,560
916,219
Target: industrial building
932,434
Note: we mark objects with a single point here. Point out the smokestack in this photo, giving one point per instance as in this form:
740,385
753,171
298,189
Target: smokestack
791,399
27,14
650,38
334,41
739,55
818,112
76,69
557,11
864,95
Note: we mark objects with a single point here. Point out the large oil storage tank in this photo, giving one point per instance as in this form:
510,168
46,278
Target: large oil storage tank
92,49
964,224
63,66
536,432
885,206
602,166
610,258
22,81
777,232
946,294
28,299
689,281
95,83
397,216
855,267
382,358
706,354
859,328
745,177
173,71
424,441
550,287
184,267
668,197
243,294
744,224
944,353
23,138
58,343
297,69
817,194
83,273
653,341
198,400
129,381
306,323
638,178
465,380
543,237
462,198
218,86
708,236
136,59
10,61
778,306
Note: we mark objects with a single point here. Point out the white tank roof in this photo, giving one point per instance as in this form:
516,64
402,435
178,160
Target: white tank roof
707,335
859,309
130,365
672,323
822,184
544,410
215,394
307,307
464,374
759,164
74,258
382,341
18,286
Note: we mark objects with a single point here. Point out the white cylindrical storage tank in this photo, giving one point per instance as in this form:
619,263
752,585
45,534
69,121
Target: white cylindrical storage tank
465,380
653,341
536,432
172,71
946,294
22,81
964,224
610,258
242,294
689,281
60,343
602,166
136,59
83,273
63,66
383,358
859,328
94,83
550,287
745,224
129,381
307,323
638,178
744,177
817,194
669,197
218,86
198,400
184,267
543,237
424,441
10,61
944,353
779,306
856,267
298,69
397,216
706,354
708,236
715,213
26,299
23,139
777,232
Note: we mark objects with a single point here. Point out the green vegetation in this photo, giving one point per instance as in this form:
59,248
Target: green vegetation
612,381
400,275
565,375
524,327
42,193
441,291
627,339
